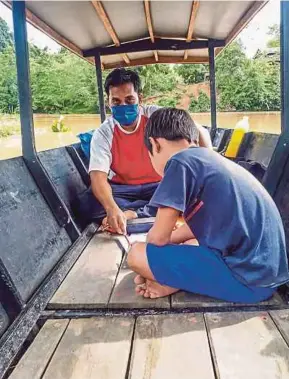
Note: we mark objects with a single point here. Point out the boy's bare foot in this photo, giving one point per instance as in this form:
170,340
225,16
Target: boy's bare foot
139,280
140,283
180,222
129,214
192,241
153,290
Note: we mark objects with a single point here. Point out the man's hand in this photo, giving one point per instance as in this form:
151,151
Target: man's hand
129,215
116,220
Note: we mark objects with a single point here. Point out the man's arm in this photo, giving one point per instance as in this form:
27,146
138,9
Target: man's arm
204,137
99,166
103,192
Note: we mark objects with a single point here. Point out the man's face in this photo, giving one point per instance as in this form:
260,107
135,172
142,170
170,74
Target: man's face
124,94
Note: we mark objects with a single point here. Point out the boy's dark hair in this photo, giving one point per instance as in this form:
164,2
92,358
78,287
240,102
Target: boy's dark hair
120,76
172,124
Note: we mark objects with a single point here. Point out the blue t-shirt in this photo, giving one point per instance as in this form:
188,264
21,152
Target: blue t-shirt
228,210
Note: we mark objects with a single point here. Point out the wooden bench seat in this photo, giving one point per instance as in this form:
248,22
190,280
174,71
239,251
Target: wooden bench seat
251,345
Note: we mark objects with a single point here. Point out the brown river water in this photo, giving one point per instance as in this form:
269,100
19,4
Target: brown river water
267,122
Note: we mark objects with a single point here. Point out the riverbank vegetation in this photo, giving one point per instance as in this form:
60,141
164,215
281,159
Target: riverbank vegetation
63,83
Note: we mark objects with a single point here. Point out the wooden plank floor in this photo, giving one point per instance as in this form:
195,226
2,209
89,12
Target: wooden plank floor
251,345
101,279
92,278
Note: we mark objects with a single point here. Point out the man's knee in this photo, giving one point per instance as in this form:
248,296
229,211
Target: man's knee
135,255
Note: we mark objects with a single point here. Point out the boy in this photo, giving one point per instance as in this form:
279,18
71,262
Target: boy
241,256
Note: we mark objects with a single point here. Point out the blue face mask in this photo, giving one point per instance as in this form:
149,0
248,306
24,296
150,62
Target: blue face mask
125,114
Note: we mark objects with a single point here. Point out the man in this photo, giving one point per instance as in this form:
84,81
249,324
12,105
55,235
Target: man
123,179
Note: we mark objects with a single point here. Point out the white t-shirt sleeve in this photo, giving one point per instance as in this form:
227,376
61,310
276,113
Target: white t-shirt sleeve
100,149
148,110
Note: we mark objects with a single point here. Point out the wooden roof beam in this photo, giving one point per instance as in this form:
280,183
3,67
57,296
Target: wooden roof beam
195,7
162,59
150,25
108,25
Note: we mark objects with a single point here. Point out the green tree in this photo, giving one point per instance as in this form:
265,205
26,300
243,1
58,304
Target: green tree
6,37
157,79
192,73
274,33
201,105
246,84
168,102
8,81
62,83
269,71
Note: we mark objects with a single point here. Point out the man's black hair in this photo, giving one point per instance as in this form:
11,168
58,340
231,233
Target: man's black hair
121,76
172,124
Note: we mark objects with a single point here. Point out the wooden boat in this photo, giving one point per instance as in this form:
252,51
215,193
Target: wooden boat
67,304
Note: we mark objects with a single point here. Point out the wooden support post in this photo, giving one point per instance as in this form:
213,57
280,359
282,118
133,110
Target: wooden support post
213,91
99,86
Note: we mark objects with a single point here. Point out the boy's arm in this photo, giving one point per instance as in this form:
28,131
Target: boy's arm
160,234
171,198
182,234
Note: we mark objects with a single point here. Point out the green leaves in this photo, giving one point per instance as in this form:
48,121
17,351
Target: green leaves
247,84
8,82
274,33
192,73
157,79
202,104
62,83
6,37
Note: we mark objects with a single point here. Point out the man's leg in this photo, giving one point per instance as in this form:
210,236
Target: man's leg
146,194
136,198
147,190
87,208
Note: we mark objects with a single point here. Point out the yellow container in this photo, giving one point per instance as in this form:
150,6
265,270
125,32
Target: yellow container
241,128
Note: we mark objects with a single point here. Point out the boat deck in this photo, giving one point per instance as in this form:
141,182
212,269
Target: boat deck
97,327
251,345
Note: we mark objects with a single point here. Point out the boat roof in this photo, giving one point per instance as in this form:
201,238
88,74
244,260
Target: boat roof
132,33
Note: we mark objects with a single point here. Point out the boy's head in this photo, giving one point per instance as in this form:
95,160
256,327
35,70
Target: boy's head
168,131
123,88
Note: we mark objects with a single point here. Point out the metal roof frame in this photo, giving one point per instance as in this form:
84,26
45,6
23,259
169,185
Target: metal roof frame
158,44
